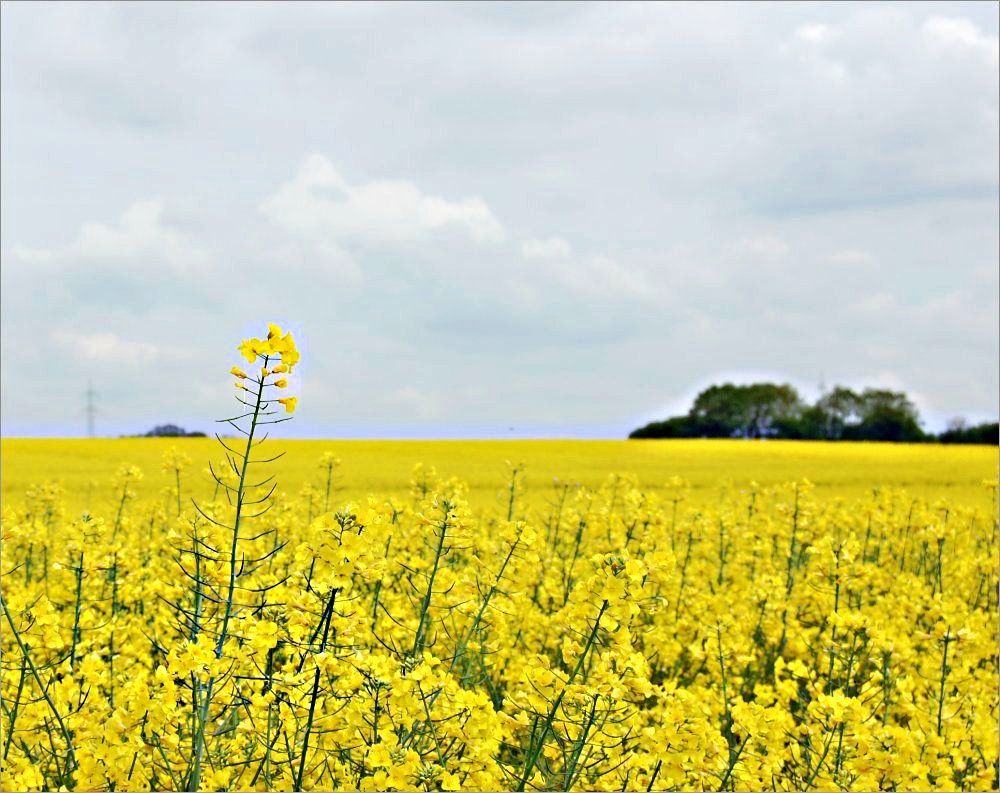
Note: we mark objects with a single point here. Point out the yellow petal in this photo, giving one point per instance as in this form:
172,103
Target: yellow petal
248,349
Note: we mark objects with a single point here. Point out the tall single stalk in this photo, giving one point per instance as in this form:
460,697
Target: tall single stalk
277,344
204,693
240,496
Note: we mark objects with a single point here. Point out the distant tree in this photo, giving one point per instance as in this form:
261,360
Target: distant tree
766,404
988,433
165,431
811,424
769,410
676,427
885,416
747,411
719,410
172,431
840,408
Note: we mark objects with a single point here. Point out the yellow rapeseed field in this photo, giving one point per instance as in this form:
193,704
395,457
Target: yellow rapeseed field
846,470
494,616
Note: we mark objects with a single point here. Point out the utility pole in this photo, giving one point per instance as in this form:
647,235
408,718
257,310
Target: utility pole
91,409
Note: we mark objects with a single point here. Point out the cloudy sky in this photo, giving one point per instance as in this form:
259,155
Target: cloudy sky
495,219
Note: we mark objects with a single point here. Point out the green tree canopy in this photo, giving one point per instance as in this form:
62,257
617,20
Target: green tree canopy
770,410
747,411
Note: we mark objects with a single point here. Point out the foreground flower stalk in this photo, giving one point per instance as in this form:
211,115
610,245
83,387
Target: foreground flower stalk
279,347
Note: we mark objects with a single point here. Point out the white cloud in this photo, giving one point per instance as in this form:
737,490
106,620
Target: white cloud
139,235
814,33
811,48
320,205
851,257
107,348
769,247
960,36
551,248
604,278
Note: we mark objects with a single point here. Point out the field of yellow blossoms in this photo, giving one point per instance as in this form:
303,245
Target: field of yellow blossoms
181,629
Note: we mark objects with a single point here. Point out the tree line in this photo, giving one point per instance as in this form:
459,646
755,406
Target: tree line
769,410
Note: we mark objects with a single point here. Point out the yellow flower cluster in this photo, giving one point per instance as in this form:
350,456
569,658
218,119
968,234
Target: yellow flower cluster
277,346
616,639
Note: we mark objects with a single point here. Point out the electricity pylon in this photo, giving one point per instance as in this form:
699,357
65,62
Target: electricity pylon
90,409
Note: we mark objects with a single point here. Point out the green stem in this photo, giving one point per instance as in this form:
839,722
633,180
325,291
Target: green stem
727,725
418,640
315,695
513,490
121,507
819,765
240,495
67,735
76,613
538,743
200,735
195,777
13,710
463,643
944,676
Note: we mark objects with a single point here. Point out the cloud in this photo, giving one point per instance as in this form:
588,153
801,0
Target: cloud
851,258
139,238
960,37
814,33
955,316
321,206
768,247
603,276
602,283
108,349
551,248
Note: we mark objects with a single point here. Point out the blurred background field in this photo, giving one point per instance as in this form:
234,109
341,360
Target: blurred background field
848,470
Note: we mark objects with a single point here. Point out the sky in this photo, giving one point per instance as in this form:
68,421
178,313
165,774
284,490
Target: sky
494,220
